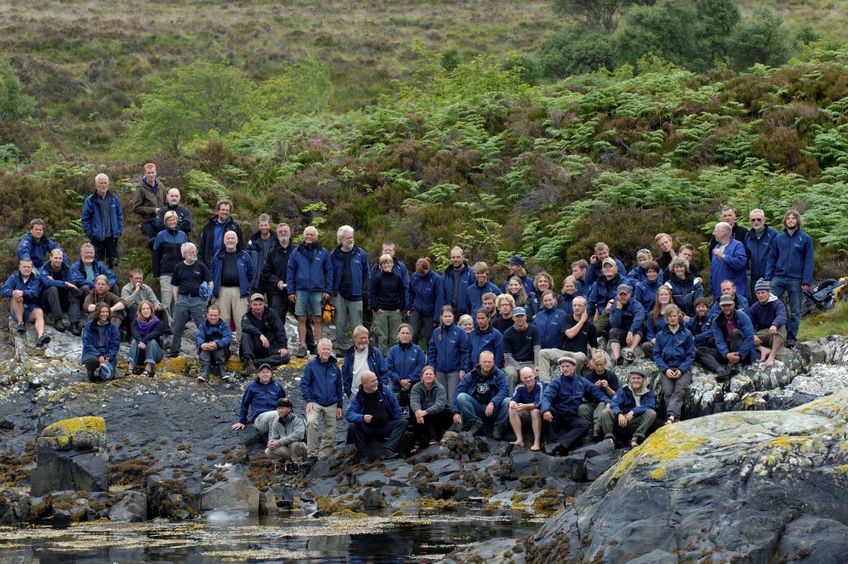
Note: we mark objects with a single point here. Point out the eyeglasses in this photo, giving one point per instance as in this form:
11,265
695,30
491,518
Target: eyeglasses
753,219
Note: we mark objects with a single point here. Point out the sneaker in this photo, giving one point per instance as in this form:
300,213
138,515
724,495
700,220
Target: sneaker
75,329
204,377
59,326
301,352
173,354
21,327
226,377
388,454
42,340
629,356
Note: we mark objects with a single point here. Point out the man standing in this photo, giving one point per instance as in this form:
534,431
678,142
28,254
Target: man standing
310,280
232,273
263,336
188,282
184,221
455,281
259,246
758,243
149,199
35,246
728,259
374,413
103,220
790,269
350,274
212,236
728,216
321,388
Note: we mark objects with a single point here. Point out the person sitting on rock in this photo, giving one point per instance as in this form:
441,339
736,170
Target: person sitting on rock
260,397
607,381
639,273
101,294
56,298
674,353
484,337
213,340
625,321
101,341
521,346
360,358
768,314
263,337
733,335
404,362
561,400
482,397
286,435
429,413
321,388
701,324
524,407
728,288
374,413
567,295
145,347
632,412
23,288
579,340
136,291
655,319
83,273
35,246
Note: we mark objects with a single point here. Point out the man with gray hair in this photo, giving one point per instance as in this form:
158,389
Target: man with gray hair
727,260
103,220
350,273
309,278
728,216
190,287
758,243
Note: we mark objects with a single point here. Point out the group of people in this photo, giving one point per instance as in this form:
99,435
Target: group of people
444,349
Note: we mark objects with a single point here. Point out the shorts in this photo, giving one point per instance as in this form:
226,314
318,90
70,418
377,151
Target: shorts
766,339
28,309
308,302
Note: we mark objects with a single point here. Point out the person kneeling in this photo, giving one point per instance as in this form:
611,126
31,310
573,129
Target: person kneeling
524,407
428,403
483,395
632,411
374,413
286,435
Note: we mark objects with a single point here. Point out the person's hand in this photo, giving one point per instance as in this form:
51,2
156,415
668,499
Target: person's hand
593,259
283,352
70,286
142,346
548,416
490,409
514,406
622,420
237,426
326,296
457,418
772,329
678,373
310,407
733,358
264,340
273,444
419,420
420,414
805,287
669,373
618,304
292,298
630,416
461,374
757,341
405,384
17,293
584,316
368,418
603,384
280,285
338,413
718,253
101,359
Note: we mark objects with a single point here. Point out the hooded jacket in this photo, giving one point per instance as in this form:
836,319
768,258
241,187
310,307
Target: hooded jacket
287,430
630,317
489,340
245,272
93,222
458,280
493,387
549,322
321,382
601,293
449,349
220,333
474,295
36,251
626,400
564,394
260,398
674,349
772,313
206,247
685,293
425,294
743,323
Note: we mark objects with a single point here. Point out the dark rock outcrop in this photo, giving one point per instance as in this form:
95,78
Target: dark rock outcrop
70,456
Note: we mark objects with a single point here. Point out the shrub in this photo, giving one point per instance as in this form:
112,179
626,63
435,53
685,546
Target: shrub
572,51
14,104
760,39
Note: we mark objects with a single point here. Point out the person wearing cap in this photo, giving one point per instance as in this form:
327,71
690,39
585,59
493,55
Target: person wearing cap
517,268
263,337
790,269
458,276
232,277
626,319
561,400
728,288
733,335
632,410
596,262
213,340
524,407
603,294
482,398
768,314
286,435
521,346
321,388
260,398
728,259
674,353
374,414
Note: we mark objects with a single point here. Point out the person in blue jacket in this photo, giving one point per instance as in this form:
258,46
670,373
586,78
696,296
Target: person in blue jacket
425,296
603,294
449,352
549,320
213,340
405,361
625,320
458,276
481,285
309,280
646,291
728,260
362,357
632,410
83,274
639,273
768,315
232,275
484,337
790,269
524,405
260,397
374,413
212,234
516,266
321,388
685,288
103,220
23,289
35,246
56,296
758,243
674,353
101,340
350,277
701,325
561,400
733,336
595,270
482,398
728,288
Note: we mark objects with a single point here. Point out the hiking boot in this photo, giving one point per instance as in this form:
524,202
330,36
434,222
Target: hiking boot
42,340
301,352
388,454
173,354
221,372
75,329
21,327
59,326
475,430
249,367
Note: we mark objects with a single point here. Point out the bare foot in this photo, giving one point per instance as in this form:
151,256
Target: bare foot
536,447
769,362
517,443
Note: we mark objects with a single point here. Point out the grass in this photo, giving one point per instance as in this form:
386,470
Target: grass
833,322
828,17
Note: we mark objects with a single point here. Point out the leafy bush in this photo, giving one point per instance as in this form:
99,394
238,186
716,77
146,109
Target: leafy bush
14,104
760,39
573,51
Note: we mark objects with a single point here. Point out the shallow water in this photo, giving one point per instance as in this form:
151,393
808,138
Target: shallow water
236,538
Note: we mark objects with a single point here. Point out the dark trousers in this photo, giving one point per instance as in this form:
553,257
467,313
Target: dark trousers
281,304
92,364
218,356
422,327
712,360
106,250
75,299
575,428
150,231
58,300
251,348
433,428
391,433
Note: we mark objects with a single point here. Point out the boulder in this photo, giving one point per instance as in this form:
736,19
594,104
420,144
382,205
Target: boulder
70,455
230,489
14,507
174,487
131,508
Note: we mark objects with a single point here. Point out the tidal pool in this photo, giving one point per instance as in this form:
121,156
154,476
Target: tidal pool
232,537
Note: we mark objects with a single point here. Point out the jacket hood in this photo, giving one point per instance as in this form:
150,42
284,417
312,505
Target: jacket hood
644,391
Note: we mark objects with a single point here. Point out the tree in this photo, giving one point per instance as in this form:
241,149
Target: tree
762,39
14,104
201,97
574,51
303,88
595,14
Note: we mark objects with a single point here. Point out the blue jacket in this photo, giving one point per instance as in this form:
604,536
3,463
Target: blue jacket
531,306
743,323
108,346
629,318
37,252
674,350
260,398
653,327
449,349
759,251
602,292
731,267
167,251
741,303
78,273
564,302
527,282
93,222
595,272
425,294
764,316
474,296
489,340
791,257
310,270
359,271
322,382
701,329
212,233
624,402
637,275
646,294
685,293
405,362
549,322
245,272
32,288
354,412
497,390
563,395
376,364
466,278
220,333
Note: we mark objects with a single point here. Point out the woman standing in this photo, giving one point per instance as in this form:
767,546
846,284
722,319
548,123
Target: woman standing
674,354
449,352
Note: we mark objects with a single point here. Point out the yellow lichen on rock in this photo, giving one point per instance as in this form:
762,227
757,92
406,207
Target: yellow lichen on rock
658,473
665,445
76,432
